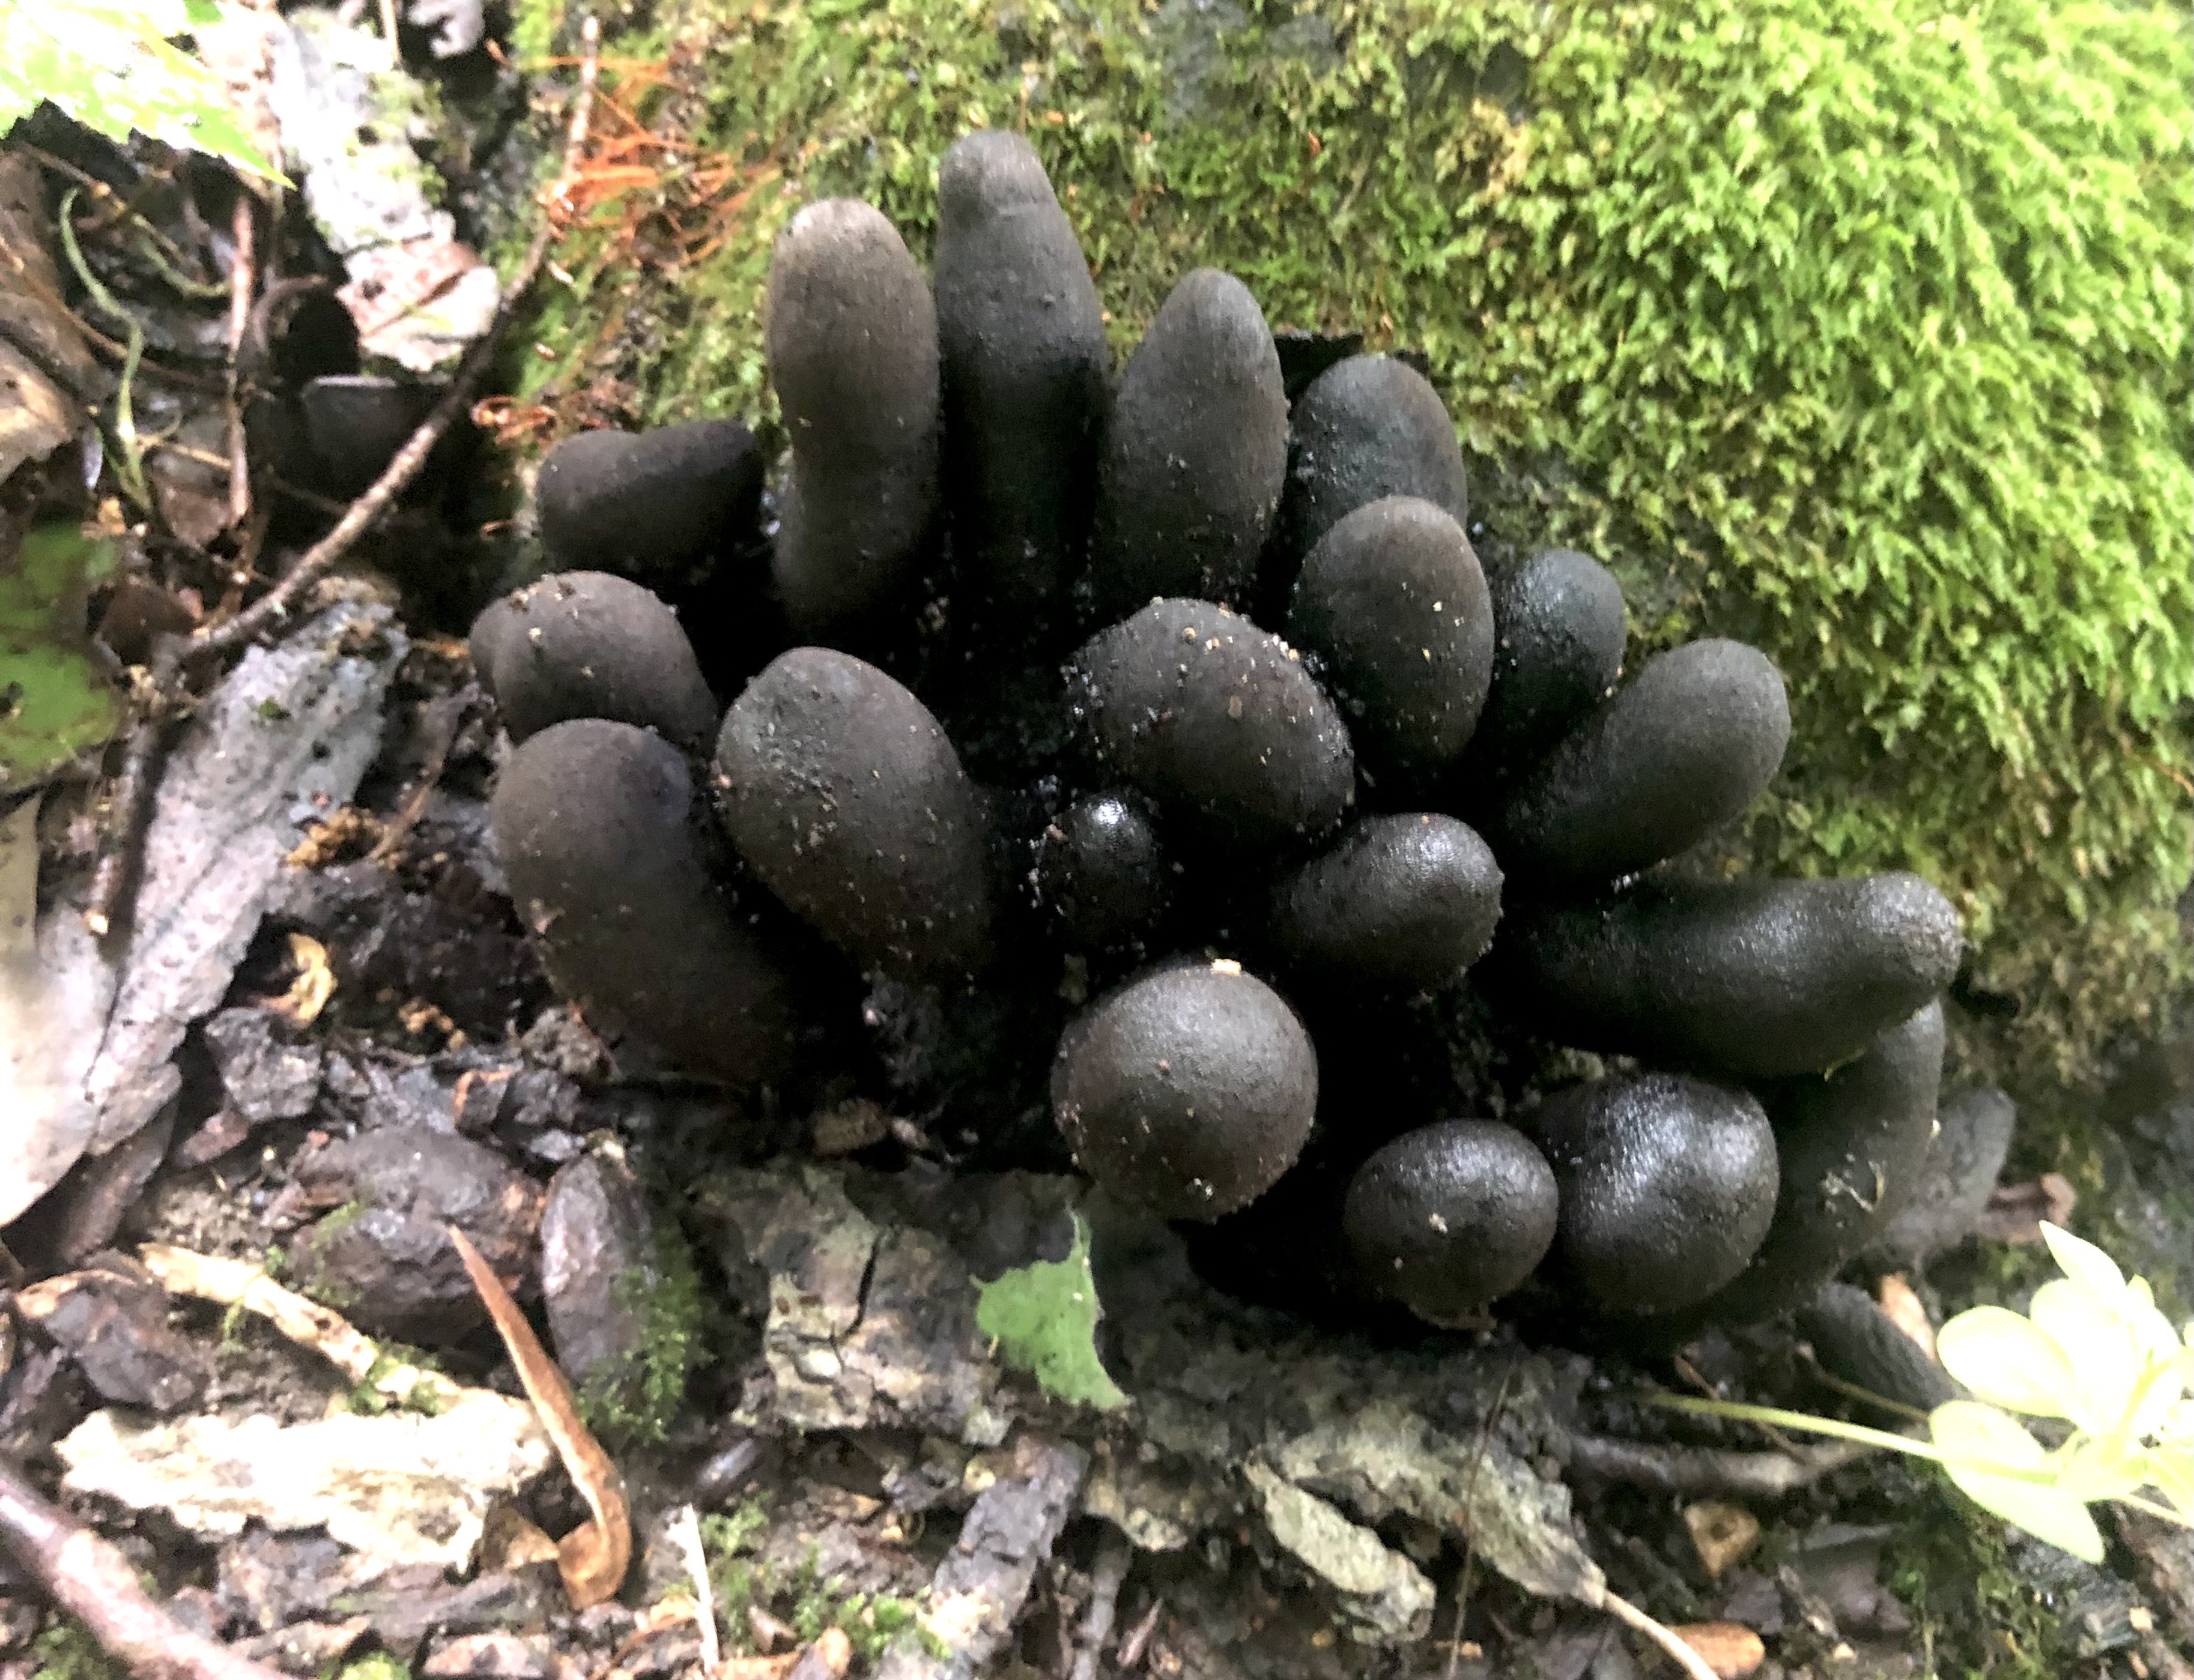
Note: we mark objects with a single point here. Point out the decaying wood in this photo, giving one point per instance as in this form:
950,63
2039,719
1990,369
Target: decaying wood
91,1579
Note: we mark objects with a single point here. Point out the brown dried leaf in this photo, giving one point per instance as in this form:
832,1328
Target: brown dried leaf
1903,1309
592,1558
2015,1212
315,983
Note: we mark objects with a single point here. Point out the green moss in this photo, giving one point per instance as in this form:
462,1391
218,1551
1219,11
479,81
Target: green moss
368,1399
1950,1564
376,1665
1856,330
67,1651
635,1400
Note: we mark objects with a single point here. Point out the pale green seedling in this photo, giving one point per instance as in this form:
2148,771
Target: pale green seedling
2092,1352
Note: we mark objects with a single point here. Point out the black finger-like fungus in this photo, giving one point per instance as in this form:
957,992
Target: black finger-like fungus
1025,368
852,346
844,797
593,828
650,506
1558,641
1196,451
1406,903
1393,603
1668,1186
1851,1146
961,502
1189,1090
1101,872
1755,978
1450,1217
1368,427
589,645
1680,750
1217,721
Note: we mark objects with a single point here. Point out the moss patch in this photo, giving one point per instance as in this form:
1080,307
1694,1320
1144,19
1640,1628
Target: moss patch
67,1651
1856,330
635,1401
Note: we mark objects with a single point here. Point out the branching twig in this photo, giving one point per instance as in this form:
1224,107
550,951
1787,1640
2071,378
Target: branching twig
91,1580
1682,1655
133,796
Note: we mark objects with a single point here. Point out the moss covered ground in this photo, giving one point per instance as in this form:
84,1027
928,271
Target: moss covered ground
1858,329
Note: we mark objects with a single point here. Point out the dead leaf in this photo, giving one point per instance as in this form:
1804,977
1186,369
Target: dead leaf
1722,1534
1903,1309
592,1558
1731,1650
509,1541
684,1532
315,983
2014,1212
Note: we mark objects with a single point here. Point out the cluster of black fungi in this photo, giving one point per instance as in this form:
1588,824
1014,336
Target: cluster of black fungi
1215,646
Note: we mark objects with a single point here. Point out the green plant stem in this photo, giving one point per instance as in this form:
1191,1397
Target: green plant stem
130,466
1741,1412
205,289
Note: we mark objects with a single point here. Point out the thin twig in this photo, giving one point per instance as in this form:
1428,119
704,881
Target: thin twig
1709,1470
1684,1656
1114,1555
445,721
134,792
243,280
90,1579
1130,1653
1469,1495
133,788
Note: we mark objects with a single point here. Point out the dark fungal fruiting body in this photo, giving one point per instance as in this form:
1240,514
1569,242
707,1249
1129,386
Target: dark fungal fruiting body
1667,1184
588,645
1368,427
1102,873
1558,634
1196,451
1217,722
844,797
1393,603
1450,1217
1405,902
1682,749
1756,978
1850,1145
592,824
652,506
853,348
1022,337
1189,1090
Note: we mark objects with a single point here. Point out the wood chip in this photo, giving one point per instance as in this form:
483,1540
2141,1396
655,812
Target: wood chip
1722,1534
592,1558
1731,1650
